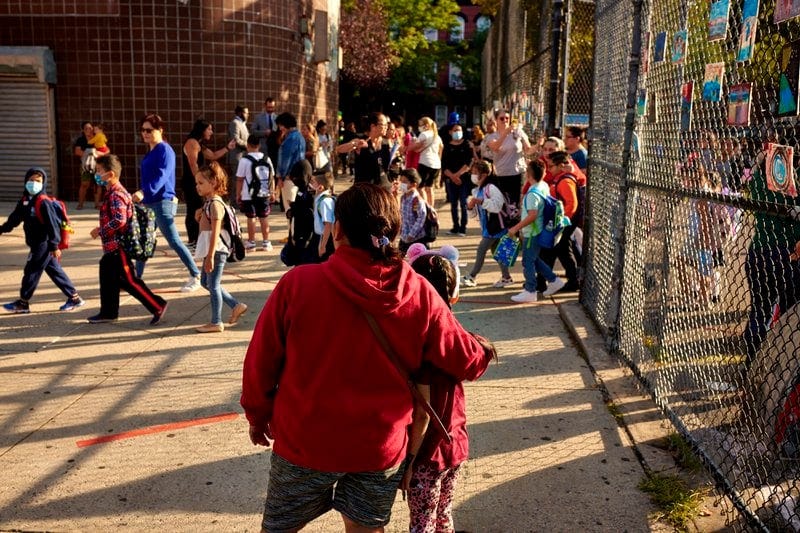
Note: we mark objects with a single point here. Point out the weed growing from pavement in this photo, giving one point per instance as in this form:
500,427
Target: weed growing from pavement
684,455
615,411
679,505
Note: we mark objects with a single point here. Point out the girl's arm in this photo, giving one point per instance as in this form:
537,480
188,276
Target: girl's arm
216,226
419,427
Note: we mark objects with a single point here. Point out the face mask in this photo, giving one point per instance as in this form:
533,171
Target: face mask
98,179
33,187
475,178
404,188
458,135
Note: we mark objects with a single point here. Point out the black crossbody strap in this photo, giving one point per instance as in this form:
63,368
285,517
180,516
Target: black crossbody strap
392,356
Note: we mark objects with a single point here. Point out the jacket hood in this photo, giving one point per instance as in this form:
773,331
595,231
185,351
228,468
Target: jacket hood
37,170
372,286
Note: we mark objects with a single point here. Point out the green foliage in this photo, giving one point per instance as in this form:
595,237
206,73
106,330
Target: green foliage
488,7
677,503
683,453
409,57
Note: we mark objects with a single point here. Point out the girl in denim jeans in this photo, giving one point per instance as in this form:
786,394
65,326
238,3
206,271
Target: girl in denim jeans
211,248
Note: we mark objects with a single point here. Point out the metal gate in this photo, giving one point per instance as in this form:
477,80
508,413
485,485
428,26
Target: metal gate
27,133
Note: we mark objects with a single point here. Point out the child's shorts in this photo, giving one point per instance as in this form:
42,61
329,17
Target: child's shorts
297,495
256,208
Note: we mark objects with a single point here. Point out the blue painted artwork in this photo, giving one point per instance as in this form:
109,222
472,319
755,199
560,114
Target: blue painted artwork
718,19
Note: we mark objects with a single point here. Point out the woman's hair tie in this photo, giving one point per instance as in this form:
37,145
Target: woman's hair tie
377,242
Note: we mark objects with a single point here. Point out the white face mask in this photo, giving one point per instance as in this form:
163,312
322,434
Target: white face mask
403,188
475,178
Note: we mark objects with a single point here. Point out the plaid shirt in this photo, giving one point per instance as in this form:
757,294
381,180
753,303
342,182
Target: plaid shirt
413,211
117,208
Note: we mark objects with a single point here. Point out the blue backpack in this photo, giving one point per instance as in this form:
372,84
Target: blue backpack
553,221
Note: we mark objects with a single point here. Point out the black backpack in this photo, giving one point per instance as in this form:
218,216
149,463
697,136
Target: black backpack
139,238
431,223
301,228
230,223
255,180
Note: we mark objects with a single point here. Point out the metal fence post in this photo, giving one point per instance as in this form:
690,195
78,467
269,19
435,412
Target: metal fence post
553,124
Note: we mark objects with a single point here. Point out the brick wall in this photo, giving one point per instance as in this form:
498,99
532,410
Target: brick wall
123,58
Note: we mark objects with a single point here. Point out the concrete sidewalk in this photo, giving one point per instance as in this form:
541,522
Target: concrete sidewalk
134,427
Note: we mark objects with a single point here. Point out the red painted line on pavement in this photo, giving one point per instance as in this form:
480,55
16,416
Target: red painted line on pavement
156,429
508,302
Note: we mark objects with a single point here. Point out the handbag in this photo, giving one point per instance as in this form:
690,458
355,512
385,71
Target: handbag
392,356
507,251
320,159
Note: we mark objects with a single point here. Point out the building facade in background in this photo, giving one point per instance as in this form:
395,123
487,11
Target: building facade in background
62,63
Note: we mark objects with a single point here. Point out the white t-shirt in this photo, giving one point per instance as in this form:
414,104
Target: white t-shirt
429,156
245,171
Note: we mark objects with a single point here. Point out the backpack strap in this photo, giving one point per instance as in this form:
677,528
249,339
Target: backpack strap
37,207
224,215
392,356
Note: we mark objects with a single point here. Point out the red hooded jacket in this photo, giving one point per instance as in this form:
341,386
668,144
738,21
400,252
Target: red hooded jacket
316,373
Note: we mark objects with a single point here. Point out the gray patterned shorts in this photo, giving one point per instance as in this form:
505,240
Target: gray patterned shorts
297,495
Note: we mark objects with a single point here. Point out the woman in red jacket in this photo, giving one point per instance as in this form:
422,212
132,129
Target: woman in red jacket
318,382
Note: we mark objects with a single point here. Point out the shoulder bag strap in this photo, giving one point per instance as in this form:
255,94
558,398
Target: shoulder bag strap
389,351
224,213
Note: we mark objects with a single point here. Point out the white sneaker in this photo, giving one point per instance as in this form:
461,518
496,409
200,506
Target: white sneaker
468,281
525,297
266,246
554,287
502,283
192,284
249,245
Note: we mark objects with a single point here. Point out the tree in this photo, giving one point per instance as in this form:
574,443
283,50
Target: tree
368,58
384,40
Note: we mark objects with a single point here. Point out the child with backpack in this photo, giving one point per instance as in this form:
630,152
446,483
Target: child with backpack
324,204
212,186
490,201
413,210
531,225
116,267
253,191
434,461
42,225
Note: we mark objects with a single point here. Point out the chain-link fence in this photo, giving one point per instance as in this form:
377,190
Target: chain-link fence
519,71
690,266
691,247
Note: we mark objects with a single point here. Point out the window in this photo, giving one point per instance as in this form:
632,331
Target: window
483,23
454,78
431,34
457,32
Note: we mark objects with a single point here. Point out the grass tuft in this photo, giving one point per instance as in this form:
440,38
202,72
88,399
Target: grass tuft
678,504
684,455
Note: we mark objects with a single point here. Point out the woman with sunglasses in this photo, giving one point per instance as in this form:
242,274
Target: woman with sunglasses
509,148
158,193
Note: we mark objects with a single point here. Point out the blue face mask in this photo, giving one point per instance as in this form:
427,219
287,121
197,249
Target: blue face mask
98,179
33,187
458,135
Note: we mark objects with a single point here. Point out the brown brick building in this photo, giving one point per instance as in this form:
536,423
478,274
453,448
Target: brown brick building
63,62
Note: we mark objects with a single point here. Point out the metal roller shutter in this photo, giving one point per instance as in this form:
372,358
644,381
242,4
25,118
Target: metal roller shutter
27,133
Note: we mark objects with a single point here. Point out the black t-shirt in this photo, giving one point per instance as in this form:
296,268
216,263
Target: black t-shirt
82,142
455,156
371,164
